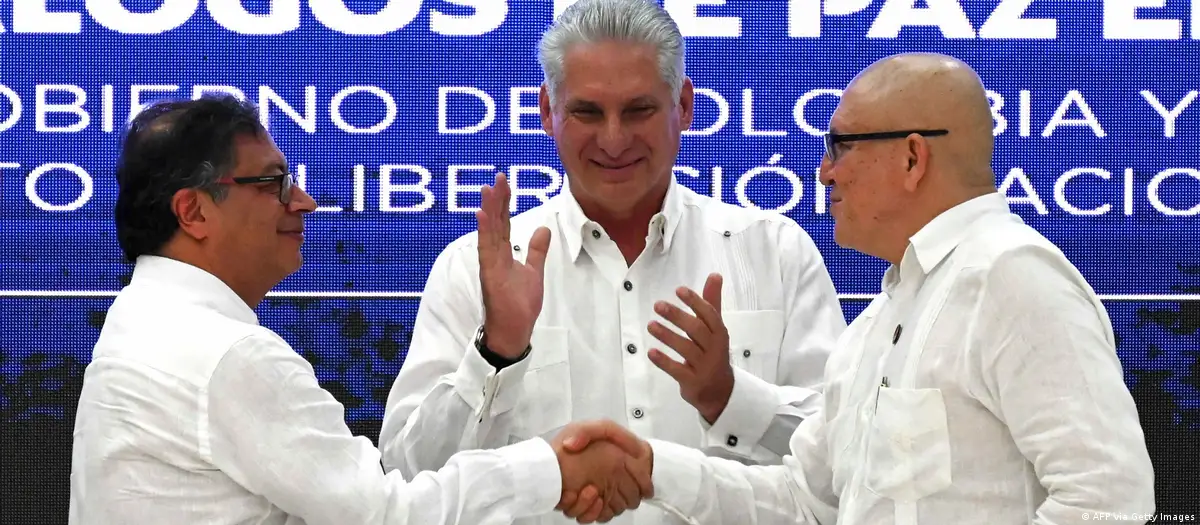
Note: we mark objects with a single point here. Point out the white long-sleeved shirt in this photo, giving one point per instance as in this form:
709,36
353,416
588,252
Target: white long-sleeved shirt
1004,402
193,413
589,357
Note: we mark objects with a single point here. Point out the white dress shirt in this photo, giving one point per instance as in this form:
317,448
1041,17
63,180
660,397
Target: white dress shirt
193,413
589,357
1004,402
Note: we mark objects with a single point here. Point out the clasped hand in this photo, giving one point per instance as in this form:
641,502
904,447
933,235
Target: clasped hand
606,470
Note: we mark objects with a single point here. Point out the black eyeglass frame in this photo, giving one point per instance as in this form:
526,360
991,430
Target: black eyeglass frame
286,182
832,139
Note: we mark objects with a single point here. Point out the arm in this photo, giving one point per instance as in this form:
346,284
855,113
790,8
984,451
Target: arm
1050,371
276,432
435,407
761,416
715,490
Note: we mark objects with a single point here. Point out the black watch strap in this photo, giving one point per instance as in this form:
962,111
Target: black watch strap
497,361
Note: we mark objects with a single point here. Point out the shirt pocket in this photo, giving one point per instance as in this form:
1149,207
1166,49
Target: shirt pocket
908,453
545,406
754,339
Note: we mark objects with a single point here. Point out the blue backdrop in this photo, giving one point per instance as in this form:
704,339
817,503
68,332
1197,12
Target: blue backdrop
394,112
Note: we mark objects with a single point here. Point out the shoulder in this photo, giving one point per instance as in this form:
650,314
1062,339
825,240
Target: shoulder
1015,263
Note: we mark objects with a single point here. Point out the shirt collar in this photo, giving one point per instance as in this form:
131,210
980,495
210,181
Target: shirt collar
934,241
200,285
577,227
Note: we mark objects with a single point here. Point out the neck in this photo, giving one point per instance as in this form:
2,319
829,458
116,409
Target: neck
627,227
249,292
925,214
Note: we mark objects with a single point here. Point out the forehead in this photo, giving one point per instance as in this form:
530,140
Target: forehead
256,153
849,116
611,70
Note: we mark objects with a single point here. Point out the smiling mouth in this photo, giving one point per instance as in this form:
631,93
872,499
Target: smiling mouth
615,166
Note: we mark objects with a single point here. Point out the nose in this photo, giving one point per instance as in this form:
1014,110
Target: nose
301,201
826,171
614,137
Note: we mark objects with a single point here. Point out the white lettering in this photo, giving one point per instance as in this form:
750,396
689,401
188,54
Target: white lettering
31,187
200,90
1128,193
798,109
996,101
1060,191
1026,110
283,16
14,100
307,121
108,103
135,96
169,15
947,15
453,188
443,102
335,15
488,16
1031,196
1195,19
31,16
804,16
748,118
515,111
1059,119
335,109
42,108
1121,21
821,198
543,193
722,112
1152,193
1008,21
1169,116
692,25
744,180
386,188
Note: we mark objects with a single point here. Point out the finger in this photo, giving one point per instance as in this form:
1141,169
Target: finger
678,371
606,515
568,498
616,503
687,348
579,435
539,245
705,312
631,493
588,502
691,325
641,470
712,291
504,214
593,513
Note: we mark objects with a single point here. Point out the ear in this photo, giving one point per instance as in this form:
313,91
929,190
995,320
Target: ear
916,160
546,110
687,101
193,209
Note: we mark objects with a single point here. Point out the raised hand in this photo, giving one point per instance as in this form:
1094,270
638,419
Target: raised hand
705,377
512,291
606,470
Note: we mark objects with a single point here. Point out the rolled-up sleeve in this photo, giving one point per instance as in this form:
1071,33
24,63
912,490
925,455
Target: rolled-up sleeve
272,428
1047,359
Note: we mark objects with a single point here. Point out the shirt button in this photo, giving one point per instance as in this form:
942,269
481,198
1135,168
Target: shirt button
630,348
732,441
727,233
745,353
595,234
637,413
628,286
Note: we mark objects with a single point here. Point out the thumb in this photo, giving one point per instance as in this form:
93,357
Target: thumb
539,245
606,430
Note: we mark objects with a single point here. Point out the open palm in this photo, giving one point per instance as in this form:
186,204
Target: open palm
512,291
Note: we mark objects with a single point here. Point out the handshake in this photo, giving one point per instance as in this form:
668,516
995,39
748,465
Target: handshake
606,470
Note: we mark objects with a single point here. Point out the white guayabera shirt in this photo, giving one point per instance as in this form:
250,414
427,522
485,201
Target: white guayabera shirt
193,413
981,386
589,357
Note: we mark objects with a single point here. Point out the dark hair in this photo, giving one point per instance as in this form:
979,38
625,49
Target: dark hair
173,145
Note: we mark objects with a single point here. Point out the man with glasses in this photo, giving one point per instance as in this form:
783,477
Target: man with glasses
191,412
982,385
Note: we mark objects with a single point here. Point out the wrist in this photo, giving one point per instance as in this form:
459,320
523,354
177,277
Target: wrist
501,348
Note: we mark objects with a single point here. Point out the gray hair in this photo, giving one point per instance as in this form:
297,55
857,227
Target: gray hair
638,21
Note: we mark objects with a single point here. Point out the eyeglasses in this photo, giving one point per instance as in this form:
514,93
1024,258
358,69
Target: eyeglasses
832,139
286,181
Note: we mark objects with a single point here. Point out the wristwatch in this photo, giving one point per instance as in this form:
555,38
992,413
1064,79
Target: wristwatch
496,360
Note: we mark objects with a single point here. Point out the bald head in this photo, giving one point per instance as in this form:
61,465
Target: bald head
929,91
